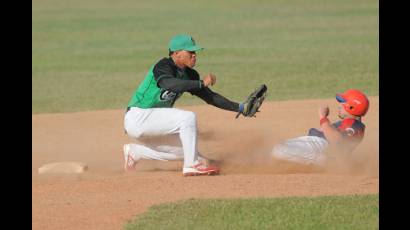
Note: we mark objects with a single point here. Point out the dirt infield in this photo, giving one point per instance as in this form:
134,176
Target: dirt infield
105,197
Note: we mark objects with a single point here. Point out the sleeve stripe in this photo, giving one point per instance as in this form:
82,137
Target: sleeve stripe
164,76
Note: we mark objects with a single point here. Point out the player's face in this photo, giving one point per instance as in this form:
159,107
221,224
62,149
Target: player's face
341,112
188,58
184,58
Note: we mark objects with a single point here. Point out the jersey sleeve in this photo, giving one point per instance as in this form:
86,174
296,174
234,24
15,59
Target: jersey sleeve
166,77
216,99
163,69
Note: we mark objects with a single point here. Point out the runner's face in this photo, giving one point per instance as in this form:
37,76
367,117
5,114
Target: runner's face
341,112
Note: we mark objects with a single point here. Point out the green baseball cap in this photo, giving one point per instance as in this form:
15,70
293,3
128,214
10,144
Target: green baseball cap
183,42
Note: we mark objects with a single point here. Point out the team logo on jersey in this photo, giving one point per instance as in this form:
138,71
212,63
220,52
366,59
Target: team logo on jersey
350,131
167,95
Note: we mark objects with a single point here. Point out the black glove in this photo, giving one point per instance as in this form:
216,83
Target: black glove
253,102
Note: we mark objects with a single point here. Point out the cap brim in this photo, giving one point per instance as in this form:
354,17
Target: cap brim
194,48
340,98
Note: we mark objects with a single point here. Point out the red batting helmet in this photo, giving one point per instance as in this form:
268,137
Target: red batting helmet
354,102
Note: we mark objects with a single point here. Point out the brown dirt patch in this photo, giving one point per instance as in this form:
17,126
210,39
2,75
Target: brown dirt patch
105,197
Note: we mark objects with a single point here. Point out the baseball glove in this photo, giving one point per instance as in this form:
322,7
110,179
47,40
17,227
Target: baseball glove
253,102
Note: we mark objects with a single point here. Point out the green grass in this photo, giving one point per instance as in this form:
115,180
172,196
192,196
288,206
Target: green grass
91,54
327,212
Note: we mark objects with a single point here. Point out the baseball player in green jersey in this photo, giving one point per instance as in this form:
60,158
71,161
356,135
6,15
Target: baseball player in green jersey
150,111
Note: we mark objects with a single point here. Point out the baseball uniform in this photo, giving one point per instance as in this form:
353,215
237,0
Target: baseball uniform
311,149
150,112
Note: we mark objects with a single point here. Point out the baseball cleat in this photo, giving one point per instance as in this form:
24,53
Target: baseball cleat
200,170
130,162
202,160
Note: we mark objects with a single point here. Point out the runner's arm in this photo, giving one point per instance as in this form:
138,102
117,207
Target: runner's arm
331,133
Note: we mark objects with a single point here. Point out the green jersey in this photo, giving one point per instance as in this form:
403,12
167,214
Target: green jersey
150,95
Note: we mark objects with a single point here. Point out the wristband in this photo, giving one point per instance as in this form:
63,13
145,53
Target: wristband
241,107
324,120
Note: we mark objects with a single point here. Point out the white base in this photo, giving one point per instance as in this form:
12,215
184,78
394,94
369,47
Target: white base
63,167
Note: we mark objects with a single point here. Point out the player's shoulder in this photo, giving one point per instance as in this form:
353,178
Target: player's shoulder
164,65
165,62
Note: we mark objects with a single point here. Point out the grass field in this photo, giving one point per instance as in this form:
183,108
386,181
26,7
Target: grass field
91,55
329,212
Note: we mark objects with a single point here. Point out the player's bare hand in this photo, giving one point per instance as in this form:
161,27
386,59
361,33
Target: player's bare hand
209,79
323,112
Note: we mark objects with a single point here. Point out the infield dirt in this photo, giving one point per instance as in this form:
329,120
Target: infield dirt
105,197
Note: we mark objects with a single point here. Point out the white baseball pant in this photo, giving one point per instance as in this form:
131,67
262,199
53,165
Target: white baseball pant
303,150
153,122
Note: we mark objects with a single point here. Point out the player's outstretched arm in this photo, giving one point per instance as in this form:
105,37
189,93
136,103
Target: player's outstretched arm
330,132
216,99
